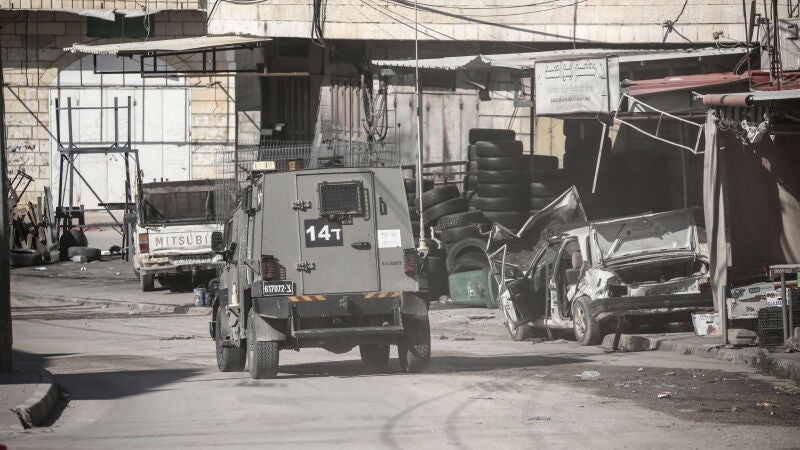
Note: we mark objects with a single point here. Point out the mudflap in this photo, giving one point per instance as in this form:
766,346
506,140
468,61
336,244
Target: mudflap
267,330
414,305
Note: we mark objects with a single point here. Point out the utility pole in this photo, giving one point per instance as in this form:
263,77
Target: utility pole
5,282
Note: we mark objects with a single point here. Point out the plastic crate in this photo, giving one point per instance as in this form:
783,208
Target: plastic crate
475,288
770,338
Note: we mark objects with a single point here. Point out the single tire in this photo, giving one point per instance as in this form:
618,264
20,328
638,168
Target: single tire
414,347
91,253
459,220
543,162
439,195
490,135
25,257
261,356
148,281
497,163
499,204
499,176
472,153
538,203
520,333
229,359
502,149
464,246
374,356
500,190
467,262
447,207
456,234
587,329
537,189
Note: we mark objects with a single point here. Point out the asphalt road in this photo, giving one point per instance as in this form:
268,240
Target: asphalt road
150,381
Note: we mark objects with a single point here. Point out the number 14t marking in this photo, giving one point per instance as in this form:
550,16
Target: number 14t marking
324,233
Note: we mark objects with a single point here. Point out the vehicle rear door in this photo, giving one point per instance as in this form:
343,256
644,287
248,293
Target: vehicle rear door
532,299
338,251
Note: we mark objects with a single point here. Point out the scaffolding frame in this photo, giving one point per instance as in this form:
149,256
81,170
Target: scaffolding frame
70,152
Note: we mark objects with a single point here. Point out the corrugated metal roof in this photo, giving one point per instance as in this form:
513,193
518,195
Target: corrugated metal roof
682,83
105,14
165,45
522,61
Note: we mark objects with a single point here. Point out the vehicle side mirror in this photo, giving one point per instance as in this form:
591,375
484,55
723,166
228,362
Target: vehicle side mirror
217,242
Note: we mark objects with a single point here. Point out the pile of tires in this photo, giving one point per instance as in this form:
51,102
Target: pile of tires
411,197
480,135
501,182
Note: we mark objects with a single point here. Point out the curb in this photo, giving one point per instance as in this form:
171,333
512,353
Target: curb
119,305
705,351
39,406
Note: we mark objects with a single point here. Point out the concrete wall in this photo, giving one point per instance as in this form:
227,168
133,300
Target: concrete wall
612,21
33,56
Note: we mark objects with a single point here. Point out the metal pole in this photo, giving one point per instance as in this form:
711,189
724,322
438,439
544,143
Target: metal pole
6,337
423,240
599,156
784,307
71,158
685,187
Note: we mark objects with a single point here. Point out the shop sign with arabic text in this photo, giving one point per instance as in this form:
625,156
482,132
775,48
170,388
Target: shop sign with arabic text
576,86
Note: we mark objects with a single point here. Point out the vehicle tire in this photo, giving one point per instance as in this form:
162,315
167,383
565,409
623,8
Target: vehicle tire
25,257
470,181
497,163
498,204
537,189
490,135
447,207
91,253
229,359
499,149
499,176
456,234
374,356
148,281
587,329
520,333
538,203
499,190
262,357
472,153
543,162
464,246
414,347
467,262
439,195
472,166
459,220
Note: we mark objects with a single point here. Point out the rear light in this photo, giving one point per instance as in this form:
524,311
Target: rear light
270,269
410,262
705,286
144,243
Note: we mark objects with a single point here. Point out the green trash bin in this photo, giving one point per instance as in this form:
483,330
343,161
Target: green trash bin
474,288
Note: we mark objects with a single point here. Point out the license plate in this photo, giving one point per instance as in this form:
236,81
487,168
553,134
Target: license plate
277,288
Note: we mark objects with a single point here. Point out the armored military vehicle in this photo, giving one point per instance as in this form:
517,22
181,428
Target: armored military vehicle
319,258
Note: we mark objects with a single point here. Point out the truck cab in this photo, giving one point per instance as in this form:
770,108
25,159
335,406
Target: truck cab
319,258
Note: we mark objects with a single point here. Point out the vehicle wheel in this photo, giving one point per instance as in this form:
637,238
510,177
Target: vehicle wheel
148,281
519,333
459,220
587,329
229,359
91,253
497,163
499,176
490,135
414,348
439,195
499,149
499,190
374,356
261,356
25,257
447,207
467,262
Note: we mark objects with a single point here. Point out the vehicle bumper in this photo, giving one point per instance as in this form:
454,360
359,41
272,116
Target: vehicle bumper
605,308
178,268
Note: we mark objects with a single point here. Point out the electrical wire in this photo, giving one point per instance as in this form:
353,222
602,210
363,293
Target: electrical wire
396,20
316,23
527,5
573,3
669,25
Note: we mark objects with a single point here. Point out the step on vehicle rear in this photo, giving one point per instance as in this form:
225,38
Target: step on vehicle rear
319,258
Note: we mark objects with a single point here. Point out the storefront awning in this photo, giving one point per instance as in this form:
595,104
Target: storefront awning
192,44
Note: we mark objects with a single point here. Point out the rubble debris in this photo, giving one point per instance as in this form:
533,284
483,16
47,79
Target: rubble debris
665,394
589,375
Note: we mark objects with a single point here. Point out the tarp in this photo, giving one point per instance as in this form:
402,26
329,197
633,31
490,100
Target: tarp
714,212
168,45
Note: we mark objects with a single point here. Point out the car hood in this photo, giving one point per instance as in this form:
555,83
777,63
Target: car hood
644,237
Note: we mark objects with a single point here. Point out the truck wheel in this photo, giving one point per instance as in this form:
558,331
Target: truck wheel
587,329
374,356
229,359
414,348
261,356
147,281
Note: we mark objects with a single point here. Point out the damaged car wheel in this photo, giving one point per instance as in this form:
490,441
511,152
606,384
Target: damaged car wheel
587,329
229,359
520,333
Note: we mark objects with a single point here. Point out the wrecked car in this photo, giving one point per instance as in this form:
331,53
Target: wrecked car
561,272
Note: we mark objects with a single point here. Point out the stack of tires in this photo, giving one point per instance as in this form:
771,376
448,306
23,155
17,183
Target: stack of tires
501,182
480,135
411,196
581,143
546,182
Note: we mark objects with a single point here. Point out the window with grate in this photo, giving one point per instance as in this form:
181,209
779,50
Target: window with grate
341,199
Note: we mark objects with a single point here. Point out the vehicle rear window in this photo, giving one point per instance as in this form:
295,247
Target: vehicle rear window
178,207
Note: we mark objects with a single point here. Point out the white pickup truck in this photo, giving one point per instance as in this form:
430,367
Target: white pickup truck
172,238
